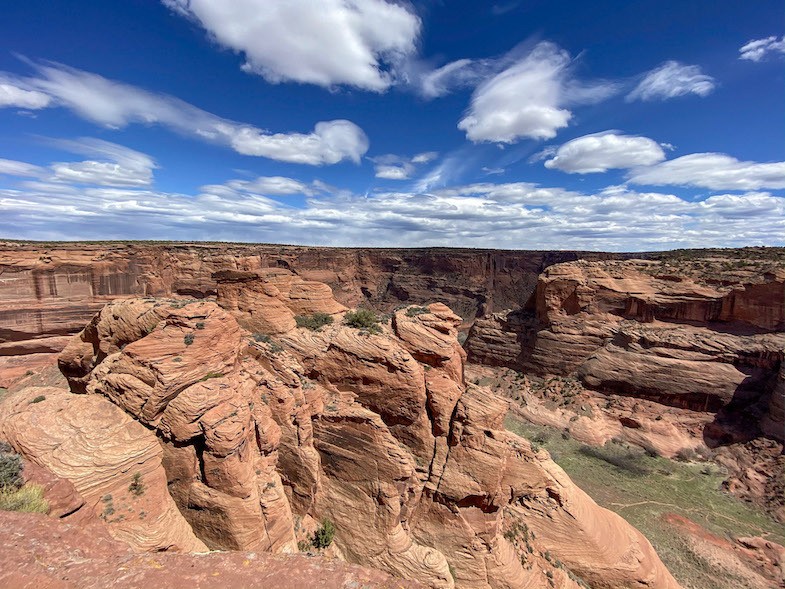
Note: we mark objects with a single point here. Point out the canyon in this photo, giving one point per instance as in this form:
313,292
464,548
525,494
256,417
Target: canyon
186,369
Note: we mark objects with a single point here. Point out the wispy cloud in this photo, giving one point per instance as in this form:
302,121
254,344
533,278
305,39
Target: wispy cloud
672,79
758,49
114,104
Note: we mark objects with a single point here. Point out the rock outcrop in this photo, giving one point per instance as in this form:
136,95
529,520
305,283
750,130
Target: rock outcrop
262,438
40,552
624,328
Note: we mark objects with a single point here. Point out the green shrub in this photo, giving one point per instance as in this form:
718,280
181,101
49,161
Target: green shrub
323,537
200,325
28,499
686,455
314,322
188,339
262,337
137,486
38,399
363,319
414,311
10,470
626,460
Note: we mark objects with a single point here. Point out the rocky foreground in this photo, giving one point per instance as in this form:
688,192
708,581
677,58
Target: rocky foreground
181,430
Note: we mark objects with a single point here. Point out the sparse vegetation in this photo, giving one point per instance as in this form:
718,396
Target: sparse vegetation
200,325
210,375
323,537
28,499
38,399
137,486
188,339
414,311
644,499
263,338
313,322
10,468
363,319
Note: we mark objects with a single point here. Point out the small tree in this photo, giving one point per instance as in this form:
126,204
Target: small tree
323,537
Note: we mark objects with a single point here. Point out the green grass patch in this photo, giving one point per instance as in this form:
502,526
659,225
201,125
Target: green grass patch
27,499
642,488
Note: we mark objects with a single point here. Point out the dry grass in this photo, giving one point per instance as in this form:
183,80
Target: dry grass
27,499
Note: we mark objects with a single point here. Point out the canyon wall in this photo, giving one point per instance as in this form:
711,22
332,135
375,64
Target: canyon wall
53,290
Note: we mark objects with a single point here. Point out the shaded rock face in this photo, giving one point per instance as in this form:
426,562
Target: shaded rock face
623,328
54,290
376,432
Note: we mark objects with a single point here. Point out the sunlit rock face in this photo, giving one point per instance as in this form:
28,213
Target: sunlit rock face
253,439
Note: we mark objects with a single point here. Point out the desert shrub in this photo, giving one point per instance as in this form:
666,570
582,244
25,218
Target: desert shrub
686,455
363,319
323,537
10,470
28,499
414,311
188,339
200,325
137,486
627,461
262,337
314,322
38,399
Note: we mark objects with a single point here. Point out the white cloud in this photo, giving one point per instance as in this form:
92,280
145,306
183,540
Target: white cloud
12,95
716,171
114,104
425,157
395,167
512,215
117,166
16,168
600,152
332,42
759,48
461,73
670,80
528,98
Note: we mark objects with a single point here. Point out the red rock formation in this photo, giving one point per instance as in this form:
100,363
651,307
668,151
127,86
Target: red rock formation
377,433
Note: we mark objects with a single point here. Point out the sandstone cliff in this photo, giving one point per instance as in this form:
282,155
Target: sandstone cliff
257,439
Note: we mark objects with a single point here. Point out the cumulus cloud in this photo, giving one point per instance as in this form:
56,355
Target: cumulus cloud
115,105
528,98
395,167
716,171
670,80
12,95
600,152
353,42
758,49
516,215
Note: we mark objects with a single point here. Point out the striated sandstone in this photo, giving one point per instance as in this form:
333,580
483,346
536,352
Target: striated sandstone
377,433
98,448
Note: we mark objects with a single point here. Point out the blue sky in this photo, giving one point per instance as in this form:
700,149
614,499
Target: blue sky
520,124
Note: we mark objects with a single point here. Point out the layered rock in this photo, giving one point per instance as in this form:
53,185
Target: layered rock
378,433
54,289
105,454
622,327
